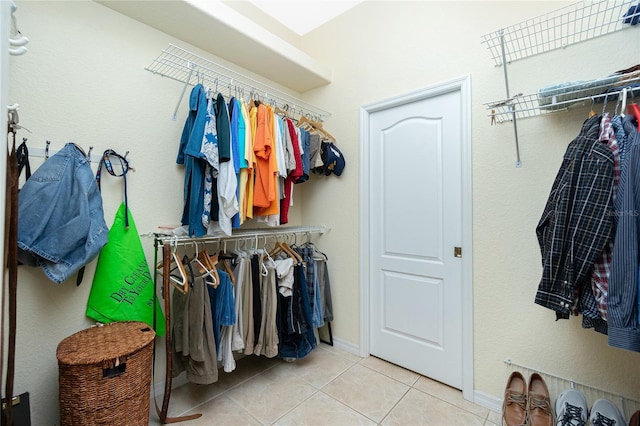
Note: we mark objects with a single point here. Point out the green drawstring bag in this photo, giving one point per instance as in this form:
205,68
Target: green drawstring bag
123,288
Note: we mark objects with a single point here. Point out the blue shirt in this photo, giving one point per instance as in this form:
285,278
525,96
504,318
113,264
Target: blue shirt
189,154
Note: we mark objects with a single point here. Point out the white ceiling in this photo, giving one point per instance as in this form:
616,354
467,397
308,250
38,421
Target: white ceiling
216,28
303,16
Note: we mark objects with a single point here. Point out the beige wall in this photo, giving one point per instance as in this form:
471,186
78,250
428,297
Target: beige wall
83,80
382,49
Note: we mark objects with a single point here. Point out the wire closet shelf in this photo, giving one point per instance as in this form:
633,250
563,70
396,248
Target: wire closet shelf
186,67
604,93
558,29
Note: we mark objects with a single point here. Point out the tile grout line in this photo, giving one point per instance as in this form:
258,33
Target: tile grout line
227,390
394,406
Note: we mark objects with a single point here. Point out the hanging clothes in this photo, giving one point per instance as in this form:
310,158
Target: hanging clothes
267,343
248,331
226,181
313,285
193,339
593,304
295,333
263,144
189,155
267,168
294,165
622,302
223,314
576,222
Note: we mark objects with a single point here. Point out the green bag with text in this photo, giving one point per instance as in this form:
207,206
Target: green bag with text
123,288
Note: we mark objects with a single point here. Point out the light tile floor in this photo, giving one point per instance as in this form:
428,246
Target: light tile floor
328,387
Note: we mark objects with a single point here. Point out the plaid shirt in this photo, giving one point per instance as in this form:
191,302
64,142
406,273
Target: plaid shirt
577,222
593,305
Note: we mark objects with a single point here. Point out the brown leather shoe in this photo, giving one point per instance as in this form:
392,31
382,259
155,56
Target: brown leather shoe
514,405
635,419
540,412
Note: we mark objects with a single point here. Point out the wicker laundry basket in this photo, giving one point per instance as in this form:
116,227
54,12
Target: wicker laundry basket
105,375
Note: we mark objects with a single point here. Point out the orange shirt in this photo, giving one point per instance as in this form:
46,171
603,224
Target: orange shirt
266,164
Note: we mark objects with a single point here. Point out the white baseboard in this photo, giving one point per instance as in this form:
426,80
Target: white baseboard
346,346
485,400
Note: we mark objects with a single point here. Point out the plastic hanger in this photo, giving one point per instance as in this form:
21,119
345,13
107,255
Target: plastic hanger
179,281
204,269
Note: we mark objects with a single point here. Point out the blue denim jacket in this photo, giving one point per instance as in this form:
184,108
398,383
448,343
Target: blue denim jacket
61,223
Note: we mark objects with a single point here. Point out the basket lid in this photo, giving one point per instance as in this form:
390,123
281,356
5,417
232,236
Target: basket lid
104,342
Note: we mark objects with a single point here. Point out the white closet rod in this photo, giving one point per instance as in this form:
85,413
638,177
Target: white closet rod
242,234
189,68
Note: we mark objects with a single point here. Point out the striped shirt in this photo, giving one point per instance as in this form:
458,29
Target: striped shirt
622,301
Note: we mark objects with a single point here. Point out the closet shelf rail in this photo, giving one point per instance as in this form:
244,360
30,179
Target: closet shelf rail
243,234
558,29
186,67
605,91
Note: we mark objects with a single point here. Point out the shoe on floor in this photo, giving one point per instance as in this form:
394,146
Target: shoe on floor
514,405
540,411
571,408
606,413
635,419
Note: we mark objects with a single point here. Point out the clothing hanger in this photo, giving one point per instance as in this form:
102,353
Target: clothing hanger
317,125
591,111
179,281
211,262
280,246
203,269
283,112
223,260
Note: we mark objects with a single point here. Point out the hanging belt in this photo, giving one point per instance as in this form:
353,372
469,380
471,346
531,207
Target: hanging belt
106,161
11,263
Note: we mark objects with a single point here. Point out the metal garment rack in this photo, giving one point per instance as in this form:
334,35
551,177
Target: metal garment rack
168,243
240,234
188,68
558,29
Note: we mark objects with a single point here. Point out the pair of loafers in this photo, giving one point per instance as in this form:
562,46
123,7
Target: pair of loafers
526,405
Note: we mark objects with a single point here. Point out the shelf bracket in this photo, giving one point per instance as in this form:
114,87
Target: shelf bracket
512,106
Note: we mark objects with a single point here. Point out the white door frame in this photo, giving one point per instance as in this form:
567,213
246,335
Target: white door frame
462,84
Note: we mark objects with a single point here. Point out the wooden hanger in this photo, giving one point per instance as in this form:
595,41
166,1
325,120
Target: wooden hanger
316,125
288,250
227,268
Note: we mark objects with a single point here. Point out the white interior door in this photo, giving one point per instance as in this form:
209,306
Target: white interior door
415,226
